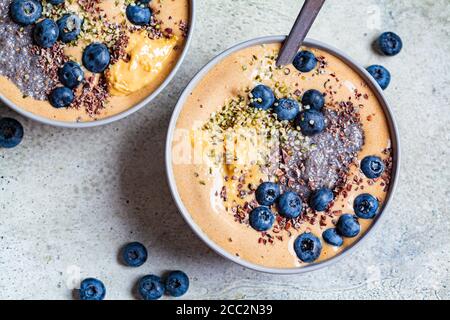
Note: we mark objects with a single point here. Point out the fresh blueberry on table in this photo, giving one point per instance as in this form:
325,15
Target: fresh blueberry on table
311,122
138,14
96,57
290,205
45,33
286,109
372,167
262,97
56,2
69,27
307,247
381,75
389,43
267,193
92,289
348,226
261,218
332,237
305,61
11,133
365,206
134,254
320,199
314,99
177,283
71,74
151,287
25,12
61,97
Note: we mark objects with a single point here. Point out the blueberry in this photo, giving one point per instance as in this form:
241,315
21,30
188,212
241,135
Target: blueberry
71,74
348,226
365,206
25,12
290,205
11,133
311,122
134,254
261,218
144,2
262,97
314,99
45,33
96,57
56,2
177,283
138,15
320,199
69,27
305,61
389,43
381,75
267,193
332,237
61,97
372,167
286,109
92,289
307,247
151,287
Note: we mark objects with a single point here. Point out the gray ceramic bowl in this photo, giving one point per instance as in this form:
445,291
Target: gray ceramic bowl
394,137
125,113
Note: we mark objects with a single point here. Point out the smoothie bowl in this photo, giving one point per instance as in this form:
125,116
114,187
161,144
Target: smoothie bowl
89,62
282,170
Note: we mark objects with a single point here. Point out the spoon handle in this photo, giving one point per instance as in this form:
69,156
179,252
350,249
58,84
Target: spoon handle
304,21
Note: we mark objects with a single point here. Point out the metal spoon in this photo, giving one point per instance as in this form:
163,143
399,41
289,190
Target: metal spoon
304,21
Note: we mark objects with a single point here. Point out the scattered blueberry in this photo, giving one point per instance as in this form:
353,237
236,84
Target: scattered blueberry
92,289
311,122
267,193
45,33
307,247
138,15
372,167
96,57
61,97
262,97
69,27
365,206
25,12
348,226
314,99
389,43
134,254
290,205
320,199
177,283
332,237
381,75
151,287
11,133
261,218
305,61
55,2
286,109
71,74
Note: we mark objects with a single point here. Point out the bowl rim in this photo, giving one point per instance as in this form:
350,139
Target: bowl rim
125,113
395,144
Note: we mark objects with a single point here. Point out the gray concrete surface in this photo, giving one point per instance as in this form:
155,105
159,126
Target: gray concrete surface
70,198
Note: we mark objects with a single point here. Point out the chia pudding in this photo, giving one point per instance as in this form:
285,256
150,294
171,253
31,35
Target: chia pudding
140,55
282,167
